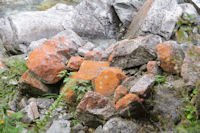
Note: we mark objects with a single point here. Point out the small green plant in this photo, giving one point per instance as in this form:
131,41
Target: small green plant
160,79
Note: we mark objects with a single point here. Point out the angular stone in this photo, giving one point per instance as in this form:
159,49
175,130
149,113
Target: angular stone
44,103
94,109
135,52
191,66
143,85
49,59
120,92
60,126
109,50
74,63
108,80
155,17
196,4
31,85
130,105
86,48
2,66
171,56
93,55
90,69
153,68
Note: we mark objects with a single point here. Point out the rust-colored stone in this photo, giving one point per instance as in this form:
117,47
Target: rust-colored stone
108,80
152,67
2,65
74,63
93,55
120,92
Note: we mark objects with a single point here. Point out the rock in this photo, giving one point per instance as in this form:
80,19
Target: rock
188,9
49,59
94,109
196,4
134,52
2,66
60,126
108,80
191,66
93,55
77,128
155,17
119,125
74,63
95,19
31,85
127,9
144,85
153,68
44,103
34,44
30,113
86,48
120,92
129,82
23,103
182,1
35,25
99,129
90,69
130,106
171,56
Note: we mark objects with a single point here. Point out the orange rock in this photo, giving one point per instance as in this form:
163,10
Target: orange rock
126,100
93,55
2,65
74,63
152,67
32,85
90,69
120,92
108,80
49,59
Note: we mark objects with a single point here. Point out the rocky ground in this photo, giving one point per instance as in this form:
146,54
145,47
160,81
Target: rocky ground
102,66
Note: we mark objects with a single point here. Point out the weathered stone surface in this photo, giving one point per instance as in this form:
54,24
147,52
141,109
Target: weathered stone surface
93,55
196,3
94,109
191,66
60,126
120,92
2,66
130,105
127,9
30,113
49,59
153,68
90,69
44,103
189,9
171,56
74,63
108,80
30,84
85,48
135,52
119,125
156,17
143,85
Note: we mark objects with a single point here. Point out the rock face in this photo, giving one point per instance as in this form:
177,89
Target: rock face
196,3
49,59
143,85
171,56
74,63
134,52
108,80
94,109
59,126
191,66
119,125
120,92
155,17
127,9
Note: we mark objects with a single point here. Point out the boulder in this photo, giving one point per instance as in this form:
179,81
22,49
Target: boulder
59,126
171,56
127,9
196,4
153,68
155,17
85,48
191,66
134,52
108,80
144,85
49,59
94,109
74,63
93,55
120,92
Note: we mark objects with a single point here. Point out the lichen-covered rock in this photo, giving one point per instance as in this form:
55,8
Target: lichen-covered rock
93,55
191,66
135,52
153,68
171,56
94,109
74,63
108,80
144,85
2,66
120,91
155,17
85,48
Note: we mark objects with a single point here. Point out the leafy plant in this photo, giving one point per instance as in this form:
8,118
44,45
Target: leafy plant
160,79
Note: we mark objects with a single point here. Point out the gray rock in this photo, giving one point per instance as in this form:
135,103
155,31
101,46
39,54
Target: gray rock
34,44
99,129
86,48
77,128
144,85
155,17
196,3
135,52
119,125
44,103
59,126
182,1
127,9
23,103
